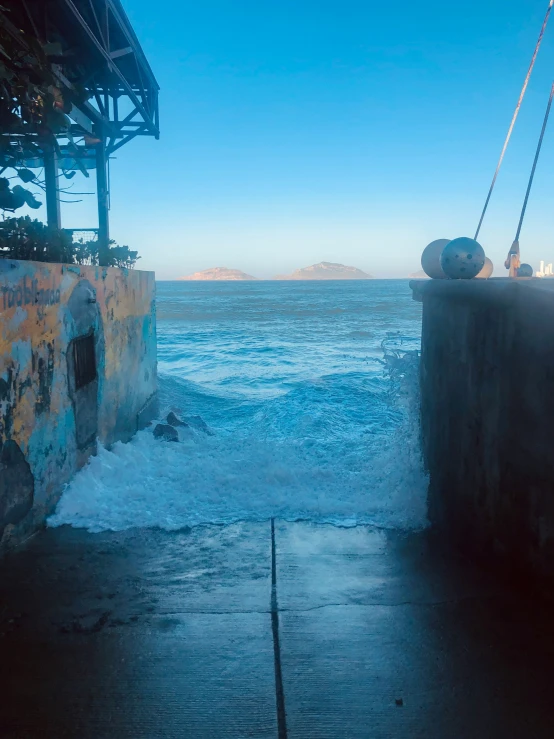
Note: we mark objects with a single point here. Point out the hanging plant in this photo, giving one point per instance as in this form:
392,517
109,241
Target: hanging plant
16,197
32,106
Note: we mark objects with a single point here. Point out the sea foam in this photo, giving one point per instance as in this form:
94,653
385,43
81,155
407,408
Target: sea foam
333,439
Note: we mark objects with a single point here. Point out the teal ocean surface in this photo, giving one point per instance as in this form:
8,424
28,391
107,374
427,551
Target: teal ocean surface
310,392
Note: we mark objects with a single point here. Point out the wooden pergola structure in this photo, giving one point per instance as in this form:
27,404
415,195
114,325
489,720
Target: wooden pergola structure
101,74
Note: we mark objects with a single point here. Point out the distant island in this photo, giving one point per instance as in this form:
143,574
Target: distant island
327,271
321,271
220,273
418,275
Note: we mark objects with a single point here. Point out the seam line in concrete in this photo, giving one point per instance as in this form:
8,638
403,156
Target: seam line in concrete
279,691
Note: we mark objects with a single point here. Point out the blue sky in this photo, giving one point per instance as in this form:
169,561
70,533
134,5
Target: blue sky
353,131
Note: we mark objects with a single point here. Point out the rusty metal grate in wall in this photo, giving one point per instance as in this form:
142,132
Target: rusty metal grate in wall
84,359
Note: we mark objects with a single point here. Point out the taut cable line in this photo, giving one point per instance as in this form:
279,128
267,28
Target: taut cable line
512,262
514,117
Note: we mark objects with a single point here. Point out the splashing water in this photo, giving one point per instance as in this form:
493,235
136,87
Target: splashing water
311,390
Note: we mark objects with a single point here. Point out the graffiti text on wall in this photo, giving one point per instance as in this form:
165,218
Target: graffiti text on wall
29,293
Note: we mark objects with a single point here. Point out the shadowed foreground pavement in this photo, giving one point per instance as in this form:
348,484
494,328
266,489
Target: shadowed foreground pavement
234,632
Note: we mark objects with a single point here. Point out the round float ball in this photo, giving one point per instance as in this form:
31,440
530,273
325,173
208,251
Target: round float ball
462,259
487,270
525,270
431,259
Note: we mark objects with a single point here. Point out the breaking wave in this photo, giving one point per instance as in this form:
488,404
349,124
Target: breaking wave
326,433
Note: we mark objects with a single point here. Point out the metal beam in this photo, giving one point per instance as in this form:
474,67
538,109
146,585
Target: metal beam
81,120
121,52
85,107
115,146
100,104
102,195
128,88
123,22
53,214
93,9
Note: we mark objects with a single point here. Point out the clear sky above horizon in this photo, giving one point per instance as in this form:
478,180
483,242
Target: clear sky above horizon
353,132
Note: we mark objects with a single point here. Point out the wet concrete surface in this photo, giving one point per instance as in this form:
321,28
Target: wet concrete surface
230,632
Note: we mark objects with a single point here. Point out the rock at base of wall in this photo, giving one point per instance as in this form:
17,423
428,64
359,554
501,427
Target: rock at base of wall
199,424
172,420
195,422
166,432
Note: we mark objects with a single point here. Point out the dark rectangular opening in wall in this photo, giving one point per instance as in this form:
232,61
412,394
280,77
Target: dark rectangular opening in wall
84,359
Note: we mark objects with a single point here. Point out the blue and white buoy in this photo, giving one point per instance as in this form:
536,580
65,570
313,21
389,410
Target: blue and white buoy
462,259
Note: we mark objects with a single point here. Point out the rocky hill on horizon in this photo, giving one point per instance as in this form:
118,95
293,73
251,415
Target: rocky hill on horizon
219,273
327,271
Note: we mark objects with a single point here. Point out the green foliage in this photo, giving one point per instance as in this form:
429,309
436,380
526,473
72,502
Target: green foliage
24,238
12,199
31,240
86,252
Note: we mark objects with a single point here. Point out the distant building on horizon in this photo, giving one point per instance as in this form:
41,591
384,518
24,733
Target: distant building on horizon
544,270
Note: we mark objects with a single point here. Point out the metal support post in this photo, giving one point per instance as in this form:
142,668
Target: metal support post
103,204
53,214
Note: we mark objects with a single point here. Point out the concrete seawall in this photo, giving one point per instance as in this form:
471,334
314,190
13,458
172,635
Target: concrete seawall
487,412
77,365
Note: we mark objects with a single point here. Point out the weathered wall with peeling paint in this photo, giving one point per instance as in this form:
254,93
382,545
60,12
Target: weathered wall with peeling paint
48,424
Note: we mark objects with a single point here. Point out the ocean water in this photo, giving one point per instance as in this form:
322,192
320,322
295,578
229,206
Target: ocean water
310,394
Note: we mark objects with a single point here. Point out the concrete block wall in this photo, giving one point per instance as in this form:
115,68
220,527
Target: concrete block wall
77,366
487,416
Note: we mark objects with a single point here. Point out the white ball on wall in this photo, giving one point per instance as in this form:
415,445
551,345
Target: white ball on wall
487,270
525,270
462,259
431,259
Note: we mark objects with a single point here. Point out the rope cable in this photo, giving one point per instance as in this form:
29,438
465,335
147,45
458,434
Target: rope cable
514,117
533,169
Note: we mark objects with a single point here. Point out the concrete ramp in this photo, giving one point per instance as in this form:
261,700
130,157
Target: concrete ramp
254,630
